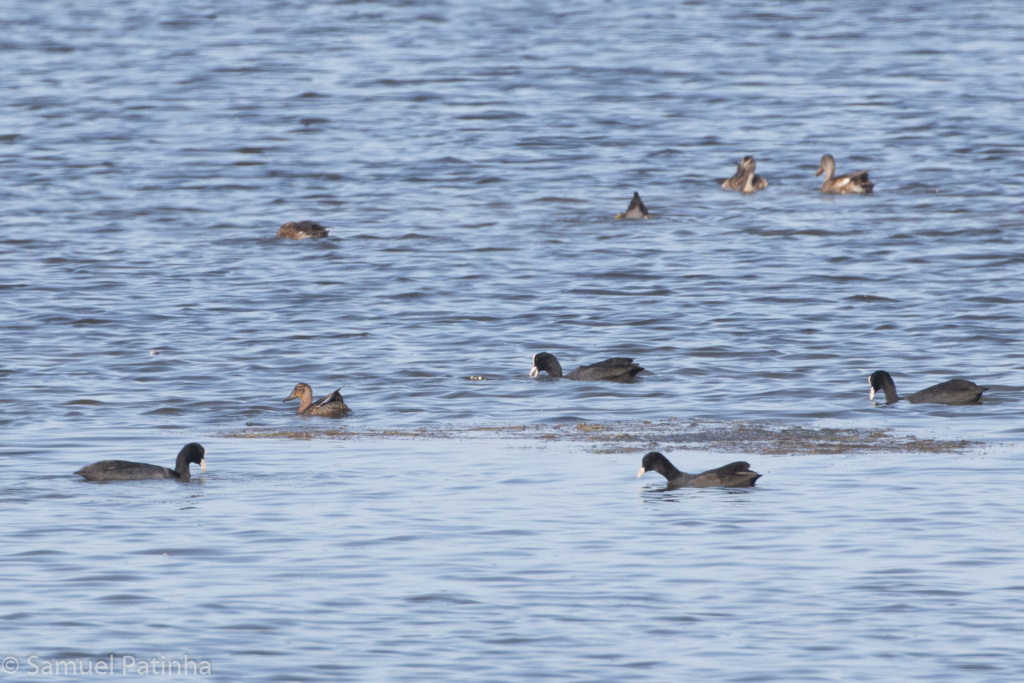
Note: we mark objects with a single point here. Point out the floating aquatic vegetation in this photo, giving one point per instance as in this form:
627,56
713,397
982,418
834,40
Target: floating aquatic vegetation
770,438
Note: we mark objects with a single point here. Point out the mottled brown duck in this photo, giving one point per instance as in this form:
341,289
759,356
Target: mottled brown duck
301,230
850,183
331,405
745,180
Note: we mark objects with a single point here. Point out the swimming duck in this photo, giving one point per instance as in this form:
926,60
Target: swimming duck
952,392
301,230
851,183
745,180
615,369
733,474
122,470
636,208
331,405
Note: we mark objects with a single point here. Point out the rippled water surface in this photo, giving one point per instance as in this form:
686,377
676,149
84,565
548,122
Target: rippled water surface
469,159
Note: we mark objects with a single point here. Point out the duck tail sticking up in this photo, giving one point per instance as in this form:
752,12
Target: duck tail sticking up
636,209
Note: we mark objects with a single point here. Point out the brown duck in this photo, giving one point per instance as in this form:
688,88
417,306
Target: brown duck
301,230
851,183
745,180
331,405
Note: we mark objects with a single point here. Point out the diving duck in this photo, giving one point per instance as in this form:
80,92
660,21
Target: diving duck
851,183
733,474
636,208
615,369
331,405
745,180
122,470
301,230
951,392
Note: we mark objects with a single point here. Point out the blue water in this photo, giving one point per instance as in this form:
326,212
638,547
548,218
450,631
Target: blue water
468,160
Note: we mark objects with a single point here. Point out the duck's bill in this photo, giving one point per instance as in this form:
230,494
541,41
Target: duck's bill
290,397
534,371
202,463
640,473
819,171
871,394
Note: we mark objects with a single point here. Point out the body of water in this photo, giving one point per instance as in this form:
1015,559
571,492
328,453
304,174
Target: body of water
468,160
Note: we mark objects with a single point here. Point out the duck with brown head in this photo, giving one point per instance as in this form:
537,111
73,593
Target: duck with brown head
850,183
331,405
745,180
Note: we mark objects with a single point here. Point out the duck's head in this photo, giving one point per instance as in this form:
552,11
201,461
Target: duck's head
827,166
302,391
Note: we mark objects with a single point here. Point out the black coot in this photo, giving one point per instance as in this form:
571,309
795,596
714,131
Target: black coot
952,392
733,474
615,369
122,470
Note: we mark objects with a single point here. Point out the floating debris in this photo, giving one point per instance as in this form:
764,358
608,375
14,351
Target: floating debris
764,438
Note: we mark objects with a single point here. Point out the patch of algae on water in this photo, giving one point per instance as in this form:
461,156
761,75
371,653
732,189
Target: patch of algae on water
640,435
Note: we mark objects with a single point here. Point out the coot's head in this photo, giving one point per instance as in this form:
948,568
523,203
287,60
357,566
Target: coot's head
302,391
545,362
655,462
193,452
879,380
